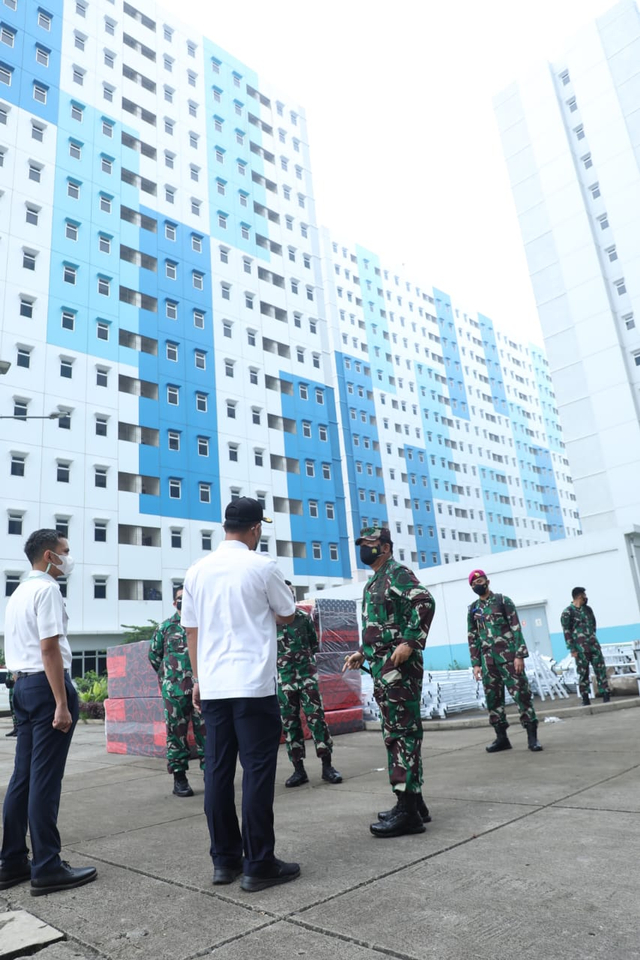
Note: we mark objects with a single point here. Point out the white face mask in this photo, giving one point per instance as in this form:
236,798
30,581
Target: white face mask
65,565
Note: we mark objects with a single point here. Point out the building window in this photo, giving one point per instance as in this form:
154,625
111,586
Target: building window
612,253
333,551
316,549
326,471
258,457
579,132
306,429
629,321
203,446
102,330
68,320
201,402
66,369
319,396
102,377
11,583
207,540
603,220
104,286
69,275
173,440
313,508
63,471
26,307
171,310
29,260
198,280
100,477
71,230
105,203
101,426
14,525
173,395
100,531
310,468
175,489
17,465
204,490
620,287
330,511
233,452
594,190
176,538
99,588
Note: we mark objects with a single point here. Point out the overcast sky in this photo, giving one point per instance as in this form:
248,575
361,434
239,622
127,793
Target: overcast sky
405,151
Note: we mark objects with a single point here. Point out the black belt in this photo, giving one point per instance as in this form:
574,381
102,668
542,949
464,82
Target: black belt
20,674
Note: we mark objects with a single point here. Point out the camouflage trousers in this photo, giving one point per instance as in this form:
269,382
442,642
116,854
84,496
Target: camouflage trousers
303,694
590,652
178,711
397,691
498,674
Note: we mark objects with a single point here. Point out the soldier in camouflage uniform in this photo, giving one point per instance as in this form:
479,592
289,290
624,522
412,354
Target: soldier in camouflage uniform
579,626
498,652
396,615
298,688
169,657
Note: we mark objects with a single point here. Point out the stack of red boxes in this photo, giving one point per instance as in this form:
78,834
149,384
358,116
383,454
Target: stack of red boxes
134,710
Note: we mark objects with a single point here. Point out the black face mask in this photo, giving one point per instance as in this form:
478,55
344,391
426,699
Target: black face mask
480,588
369,554
178,605
586,600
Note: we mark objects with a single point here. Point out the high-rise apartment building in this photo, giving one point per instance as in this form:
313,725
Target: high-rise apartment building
571,137
166,293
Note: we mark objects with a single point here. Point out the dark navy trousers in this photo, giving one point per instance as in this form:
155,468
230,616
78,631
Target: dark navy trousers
33,794
249,728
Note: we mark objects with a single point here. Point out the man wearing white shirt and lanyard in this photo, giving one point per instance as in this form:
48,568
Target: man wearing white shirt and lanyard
231,602
46,704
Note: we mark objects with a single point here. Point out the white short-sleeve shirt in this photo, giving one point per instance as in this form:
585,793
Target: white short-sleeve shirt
232,597
35,611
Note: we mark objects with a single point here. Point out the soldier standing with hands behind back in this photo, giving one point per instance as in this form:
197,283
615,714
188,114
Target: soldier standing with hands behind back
579,626
396,616
298,689
169,657
498,653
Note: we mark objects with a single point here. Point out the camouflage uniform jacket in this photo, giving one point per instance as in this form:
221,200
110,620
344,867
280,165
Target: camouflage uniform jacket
169,655
578,624
297,648
493,627
396,609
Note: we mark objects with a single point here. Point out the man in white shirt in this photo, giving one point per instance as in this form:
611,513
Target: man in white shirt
46,704
231,602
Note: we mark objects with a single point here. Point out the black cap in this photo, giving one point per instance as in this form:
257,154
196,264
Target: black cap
382,534
244,510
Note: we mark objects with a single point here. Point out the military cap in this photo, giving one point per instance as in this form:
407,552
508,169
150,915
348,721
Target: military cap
382,534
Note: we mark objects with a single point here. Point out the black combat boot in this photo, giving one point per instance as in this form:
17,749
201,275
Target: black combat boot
299,775
423,810
585,700
532,736
181,786
606,697
501,741
12,733
329,772
404,818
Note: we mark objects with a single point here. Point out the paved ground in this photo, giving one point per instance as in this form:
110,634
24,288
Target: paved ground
528,856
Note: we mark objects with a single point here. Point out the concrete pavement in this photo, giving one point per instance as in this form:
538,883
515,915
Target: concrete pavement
529,855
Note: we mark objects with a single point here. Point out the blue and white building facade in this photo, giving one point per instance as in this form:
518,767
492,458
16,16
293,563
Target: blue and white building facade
167,293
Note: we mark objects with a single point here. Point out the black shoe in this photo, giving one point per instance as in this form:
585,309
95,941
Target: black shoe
501,741
532,737
329,772
11,876
585,700
280,872
12,733
223,875
299,775
423,810
181,786
64,878
404,818
606,697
